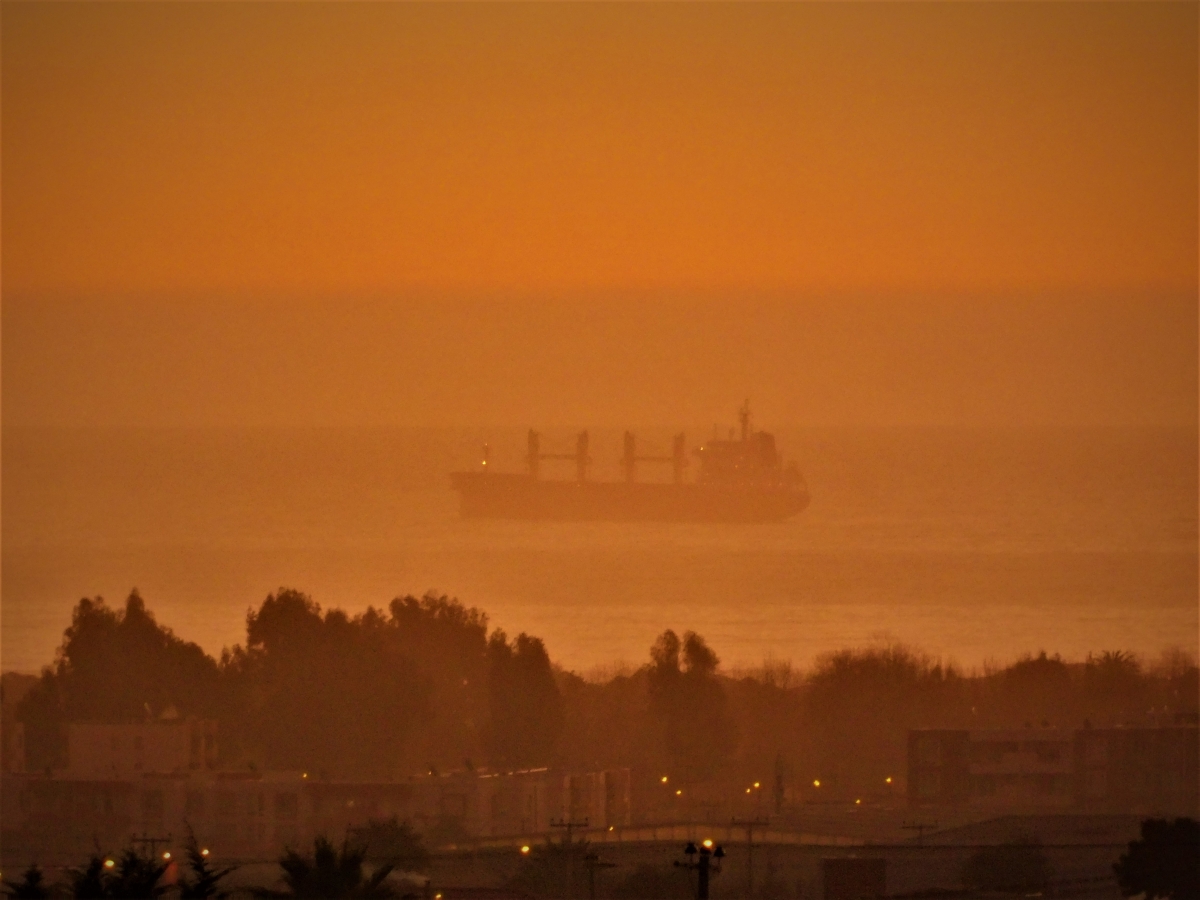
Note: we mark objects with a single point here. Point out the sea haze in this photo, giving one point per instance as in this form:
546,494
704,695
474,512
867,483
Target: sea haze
974,545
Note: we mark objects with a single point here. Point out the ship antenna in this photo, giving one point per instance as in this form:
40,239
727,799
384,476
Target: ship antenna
744,418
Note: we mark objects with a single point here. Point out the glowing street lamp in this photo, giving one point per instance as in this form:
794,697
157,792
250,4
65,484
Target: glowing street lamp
705,860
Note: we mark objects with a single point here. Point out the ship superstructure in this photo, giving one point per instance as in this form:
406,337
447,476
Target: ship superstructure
739,479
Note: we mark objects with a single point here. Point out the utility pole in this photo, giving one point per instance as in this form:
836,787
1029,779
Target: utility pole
920,828
703,865
592,862
568,826
150,843
779,790
750,825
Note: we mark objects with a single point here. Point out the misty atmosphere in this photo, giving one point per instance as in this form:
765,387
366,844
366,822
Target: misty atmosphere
560,451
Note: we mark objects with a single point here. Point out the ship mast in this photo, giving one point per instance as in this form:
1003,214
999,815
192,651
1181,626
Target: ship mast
630,458
744,418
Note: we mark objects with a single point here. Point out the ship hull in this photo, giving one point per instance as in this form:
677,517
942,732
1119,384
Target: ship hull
486,495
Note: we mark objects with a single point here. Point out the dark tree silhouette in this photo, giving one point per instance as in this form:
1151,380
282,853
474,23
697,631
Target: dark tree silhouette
113,667
859,705
689,702
1165,862
1019,864
204,876
391,692
524,704
89,882
323,691
30,886
132,877
1112,682
447,643
1034,689
137,877
392,841
330,874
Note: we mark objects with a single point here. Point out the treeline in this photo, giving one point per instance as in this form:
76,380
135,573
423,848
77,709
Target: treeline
420,686
425,686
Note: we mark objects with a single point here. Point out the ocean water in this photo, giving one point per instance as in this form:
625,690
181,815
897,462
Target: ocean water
972,545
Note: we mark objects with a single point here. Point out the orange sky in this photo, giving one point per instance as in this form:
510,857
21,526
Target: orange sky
330,147
434,214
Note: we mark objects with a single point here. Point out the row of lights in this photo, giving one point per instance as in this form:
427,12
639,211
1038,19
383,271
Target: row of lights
758,785
110,863
857,802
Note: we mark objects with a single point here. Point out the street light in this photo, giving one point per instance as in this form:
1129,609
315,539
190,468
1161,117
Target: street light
702,860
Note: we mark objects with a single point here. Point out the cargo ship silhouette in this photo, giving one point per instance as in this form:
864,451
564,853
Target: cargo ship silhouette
740,480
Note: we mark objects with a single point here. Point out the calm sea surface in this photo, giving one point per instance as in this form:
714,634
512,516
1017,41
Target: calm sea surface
972,545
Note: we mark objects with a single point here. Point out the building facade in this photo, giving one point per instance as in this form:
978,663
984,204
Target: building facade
255,815
1148,770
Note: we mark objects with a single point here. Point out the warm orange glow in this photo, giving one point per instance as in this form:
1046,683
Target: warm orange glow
343,147
708,843
816,783
524,849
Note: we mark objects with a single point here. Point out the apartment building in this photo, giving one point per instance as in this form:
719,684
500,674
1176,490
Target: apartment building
1135,769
